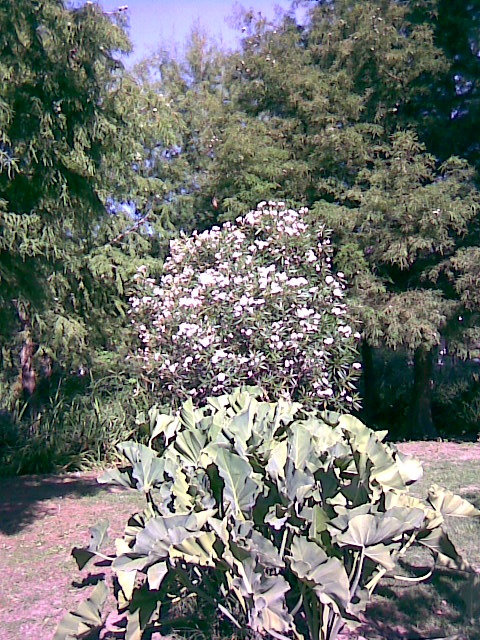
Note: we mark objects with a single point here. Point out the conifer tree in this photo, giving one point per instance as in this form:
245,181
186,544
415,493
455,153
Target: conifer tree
407,220
75,137
332,93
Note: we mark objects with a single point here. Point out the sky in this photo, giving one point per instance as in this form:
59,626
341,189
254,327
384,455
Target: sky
169,21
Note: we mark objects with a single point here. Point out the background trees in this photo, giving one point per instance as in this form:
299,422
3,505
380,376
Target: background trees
78,208
356,111
344,112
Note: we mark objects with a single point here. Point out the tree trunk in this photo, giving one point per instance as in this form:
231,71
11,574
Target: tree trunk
27,377
370,392
420,419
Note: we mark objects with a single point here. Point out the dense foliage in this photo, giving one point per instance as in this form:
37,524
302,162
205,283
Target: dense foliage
354,109
282,520
76,132
253,302
345,112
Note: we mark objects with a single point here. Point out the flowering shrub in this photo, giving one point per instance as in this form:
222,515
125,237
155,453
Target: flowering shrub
250,303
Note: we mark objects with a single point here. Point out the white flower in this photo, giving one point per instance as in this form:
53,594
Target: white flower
275,288
310,256
328,341
329,279
221,377
297,282
304,312
356,365
338,293
206,278
219,355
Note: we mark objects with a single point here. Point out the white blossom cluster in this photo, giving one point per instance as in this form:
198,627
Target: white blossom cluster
251,302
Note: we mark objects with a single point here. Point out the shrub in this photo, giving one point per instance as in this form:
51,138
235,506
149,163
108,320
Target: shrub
78,426
253,302
282,520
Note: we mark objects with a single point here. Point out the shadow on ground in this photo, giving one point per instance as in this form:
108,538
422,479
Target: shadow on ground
24,499
429,611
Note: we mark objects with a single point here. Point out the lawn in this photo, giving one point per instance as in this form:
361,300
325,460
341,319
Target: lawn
42,518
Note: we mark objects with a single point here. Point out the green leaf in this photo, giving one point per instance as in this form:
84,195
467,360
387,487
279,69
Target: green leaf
164,424
300,445
276,463
450,504
240,491
318,523
438,541
409,467
98,535
155,575
147,469
327,575
368,529
190,444
86,619
187,415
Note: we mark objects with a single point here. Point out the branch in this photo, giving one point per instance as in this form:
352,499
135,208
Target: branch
125,233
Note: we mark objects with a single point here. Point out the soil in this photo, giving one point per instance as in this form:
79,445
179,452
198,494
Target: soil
43,517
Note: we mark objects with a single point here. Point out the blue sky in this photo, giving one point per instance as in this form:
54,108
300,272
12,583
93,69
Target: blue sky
167,21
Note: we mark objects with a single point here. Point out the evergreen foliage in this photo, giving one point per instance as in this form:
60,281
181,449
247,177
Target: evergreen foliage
76,134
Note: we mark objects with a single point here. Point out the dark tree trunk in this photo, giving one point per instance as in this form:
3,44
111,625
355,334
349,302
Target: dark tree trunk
27,377
370,394
420,418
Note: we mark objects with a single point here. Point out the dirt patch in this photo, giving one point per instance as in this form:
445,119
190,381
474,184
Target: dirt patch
434,451
41,519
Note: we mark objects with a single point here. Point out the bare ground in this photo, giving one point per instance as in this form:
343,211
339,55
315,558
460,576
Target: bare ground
43,517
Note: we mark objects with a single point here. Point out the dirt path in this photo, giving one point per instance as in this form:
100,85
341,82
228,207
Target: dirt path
43,517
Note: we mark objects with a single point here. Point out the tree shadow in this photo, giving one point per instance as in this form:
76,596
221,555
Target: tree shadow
425,611
25,499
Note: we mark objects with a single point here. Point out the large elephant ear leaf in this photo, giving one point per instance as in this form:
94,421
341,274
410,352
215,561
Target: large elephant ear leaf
449,504
240,491
310,563
189,445
122,478
98,535
143,607
373,533
409,467
301,445
443,549
146,468
86,619
270,613
166,425
187,415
